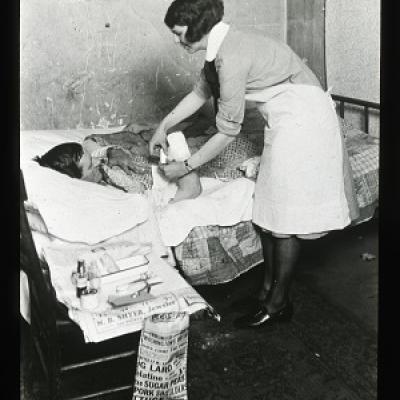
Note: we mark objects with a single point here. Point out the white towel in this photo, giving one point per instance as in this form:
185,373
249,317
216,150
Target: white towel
178,149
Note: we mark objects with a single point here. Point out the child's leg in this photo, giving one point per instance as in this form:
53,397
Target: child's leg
189,186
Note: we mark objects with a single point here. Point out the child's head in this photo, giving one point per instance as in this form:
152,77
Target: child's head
64,158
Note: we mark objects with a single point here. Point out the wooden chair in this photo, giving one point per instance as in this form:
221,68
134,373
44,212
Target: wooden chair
58,341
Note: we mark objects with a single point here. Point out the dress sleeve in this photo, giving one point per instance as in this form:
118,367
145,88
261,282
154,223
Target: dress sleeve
201,87
231,104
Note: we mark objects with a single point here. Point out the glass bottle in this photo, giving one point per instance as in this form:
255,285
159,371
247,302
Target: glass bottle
82,278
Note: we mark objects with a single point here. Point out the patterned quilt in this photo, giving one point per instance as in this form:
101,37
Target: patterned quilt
364,160
216,254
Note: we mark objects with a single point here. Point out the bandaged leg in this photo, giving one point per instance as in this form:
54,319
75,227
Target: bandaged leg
189,186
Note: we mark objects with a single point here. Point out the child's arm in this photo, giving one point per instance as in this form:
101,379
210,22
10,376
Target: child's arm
117,156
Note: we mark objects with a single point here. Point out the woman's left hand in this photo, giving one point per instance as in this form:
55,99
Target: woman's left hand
173,170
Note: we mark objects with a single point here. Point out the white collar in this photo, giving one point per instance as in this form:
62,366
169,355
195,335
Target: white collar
215,39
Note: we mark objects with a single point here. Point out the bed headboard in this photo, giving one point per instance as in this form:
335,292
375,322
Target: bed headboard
367,105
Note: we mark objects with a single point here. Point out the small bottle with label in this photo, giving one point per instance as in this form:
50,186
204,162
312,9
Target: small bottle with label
81,278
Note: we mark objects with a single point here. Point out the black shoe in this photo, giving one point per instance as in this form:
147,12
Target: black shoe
262,317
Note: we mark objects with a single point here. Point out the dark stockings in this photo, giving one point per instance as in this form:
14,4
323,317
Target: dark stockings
268,254
280,255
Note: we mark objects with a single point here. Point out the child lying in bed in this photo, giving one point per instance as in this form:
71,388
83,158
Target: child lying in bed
110,164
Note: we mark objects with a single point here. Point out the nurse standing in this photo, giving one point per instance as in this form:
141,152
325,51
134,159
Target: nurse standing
302,189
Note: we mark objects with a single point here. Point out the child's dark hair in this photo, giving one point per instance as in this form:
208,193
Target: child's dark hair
63,158
198,15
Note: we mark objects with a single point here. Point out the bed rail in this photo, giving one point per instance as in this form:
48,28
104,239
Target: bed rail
367,105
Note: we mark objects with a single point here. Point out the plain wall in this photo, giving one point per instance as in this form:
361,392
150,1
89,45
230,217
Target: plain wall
305,33
353,52
94,63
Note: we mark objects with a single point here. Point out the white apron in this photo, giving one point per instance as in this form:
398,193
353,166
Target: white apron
300,185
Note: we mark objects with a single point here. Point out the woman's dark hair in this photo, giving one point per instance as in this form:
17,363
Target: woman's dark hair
198,15
63,158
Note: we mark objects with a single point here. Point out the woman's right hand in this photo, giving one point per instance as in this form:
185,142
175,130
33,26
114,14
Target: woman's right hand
159,139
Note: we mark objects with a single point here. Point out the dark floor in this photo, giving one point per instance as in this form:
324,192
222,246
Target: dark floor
337,269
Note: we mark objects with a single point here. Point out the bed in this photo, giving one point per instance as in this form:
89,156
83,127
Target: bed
216,246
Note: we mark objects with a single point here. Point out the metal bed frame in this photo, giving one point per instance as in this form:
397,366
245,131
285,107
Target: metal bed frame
367,105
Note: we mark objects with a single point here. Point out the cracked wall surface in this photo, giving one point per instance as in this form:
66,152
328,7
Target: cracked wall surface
104,63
